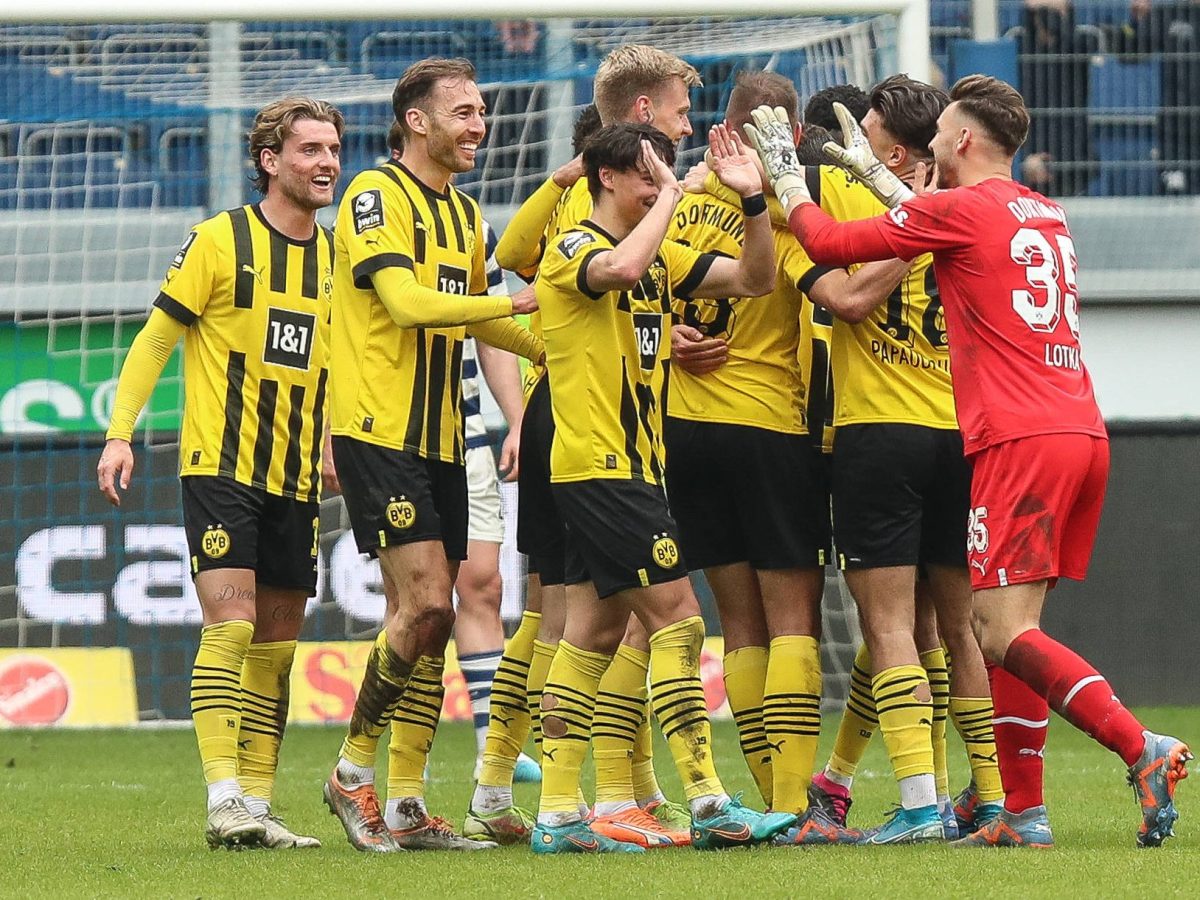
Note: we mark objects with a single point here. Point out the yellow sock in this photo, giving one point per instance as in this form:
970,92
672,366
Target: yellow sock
383,683
859,719
934,663
645,782
745,678
678,699
539,667
508,717
792,718
414,724
620,709
905,718
568,704
973,719
217,697
266,675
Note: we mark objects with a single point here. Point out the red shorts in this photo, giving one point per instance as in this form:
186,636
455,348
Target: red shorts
1035,509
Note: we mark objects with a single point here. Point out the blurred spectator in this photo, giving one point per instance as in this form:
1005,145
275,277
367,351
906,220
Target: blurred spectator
519,37
1170,32
1054,80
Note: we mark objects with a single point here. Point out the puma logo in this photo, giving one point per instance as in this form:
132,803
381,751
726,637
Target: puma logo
981,566
503,721
257,273
987,757
548,754
244,745
777,748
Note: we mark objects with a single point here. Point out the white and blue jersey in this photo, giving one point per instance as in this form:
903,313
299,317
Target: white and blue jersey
475,431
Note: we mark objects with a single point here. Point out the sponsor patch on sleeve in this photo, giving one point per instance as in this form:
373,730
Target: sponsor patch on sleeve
573,242
368,211
177,262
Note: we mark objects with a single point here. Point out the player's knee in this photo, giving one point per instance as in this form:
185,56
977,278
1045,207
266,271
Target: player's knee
431,626
991,641
480,593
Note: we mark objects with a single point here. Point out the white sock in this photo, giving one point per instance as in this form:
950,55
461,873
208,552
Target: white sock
352,773
404,812
222,791
917,791
557,819
944,801
489,799
846,781
258,806
656,797
612,807
707,805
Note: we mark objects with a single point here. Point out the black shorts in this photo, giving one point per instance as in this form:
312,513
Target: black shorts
900,496
620,534
230,525
539,523
743,494
395,497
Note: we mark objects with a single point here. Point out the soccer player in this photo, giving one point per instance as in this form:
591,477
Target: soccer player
249,292
745,489
898,527
478,630
634,83
1007,271
606,290
410,285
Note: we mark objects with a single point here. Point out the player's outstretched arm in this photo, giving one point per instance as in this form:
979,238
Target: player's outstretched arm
141,370
855,155
753,273
412,305
771,135
510,335
853,297
622,267
520,246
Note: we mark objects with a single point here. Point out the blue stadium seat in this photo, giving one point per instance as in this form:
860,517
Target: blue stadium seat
182,164
1124,104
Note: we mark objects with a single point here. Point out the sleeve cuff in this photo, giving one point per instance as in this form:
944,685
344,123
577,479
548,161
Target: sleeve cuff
812,276
695,276
364,270
581,275
175,310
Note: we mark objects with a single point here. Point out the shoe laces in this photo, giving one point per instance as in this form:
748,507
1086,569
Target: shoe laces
440,826
368,808
639,817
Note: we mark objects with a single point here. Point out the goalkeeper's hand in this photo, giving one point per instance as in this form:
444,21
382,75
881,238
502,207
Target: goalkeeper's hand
771,135
854,154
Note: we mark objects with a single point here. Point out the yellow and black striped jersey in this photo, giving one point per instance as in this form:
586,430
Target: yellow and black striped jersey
391,386
894,366
573,207
607,355
255,355
763,384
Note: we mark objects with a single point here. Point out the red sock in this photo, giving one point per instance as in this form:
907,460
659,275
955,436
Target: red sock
1075,691
1020,722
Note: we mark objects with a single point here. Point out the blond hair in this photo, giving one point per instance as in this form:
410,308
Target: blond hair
276,121
635,70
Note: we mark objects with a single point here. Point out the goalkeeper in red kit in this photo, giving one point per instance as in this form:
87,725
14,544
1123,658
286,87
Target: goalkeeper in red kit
1006,266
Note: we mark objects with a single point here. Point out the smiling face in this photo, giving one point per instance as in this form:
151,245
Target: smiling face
306,168
633,193
453,124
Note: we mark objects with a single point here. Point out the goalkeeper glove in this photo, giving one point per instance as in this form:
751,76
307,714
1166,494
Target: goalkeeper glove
771,135
855,154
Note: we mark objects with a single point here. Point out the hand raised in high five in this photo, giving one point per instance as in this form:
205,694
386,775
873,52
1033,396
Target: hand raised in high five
773,137
854,153
732,163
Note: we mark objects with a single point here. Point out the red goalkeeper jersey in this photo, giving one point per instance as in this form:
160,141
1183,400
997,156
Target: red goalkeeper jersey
1006,268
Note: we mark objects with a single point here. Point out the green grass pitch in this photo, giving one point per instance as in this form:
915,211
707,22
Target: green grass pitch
120,814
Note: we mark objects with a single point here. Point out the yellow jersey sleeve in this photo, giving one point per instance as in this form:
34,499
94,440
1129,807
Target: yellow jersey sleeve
686,268
375,229
191,279
520,247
